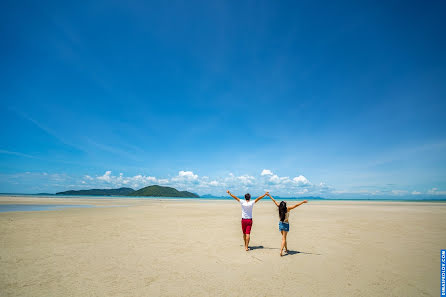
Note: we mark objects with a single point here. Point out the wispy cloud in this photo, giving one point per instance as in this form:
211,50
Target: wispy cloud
114,150
44,128
17,154
406,153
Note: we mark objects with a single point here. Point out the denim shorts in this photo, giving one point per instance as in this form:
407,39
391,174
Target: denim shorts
284,226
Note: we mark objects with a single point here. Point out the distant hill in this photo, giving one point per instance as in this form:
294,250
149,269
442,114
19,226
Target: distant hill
212,196
313,198
300,198
159,191
100,192
275,197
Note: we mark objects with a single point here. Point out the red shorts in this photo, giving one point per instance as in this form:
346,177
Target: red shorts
246,226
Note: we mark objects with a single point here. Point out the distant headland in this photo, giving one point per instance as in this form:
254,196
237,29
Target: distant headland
150,191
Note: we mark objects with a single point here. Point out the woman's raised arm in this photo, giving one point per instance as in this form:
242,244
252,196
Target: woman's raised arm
275,202
298,204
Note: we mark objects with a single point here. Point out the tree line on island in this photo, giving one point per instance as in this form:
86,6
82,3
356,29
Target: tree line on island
150,191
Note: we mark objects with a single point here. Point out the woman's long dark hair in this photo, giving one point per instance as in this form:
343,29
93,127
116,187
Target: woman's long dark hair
282,210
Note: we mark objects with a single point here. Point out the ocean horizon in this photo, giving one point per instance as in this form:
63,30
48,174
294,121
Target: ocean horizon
405,199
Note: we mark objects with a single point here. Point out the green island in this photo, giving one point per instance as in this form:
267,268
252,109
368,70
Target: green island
159,191
150,191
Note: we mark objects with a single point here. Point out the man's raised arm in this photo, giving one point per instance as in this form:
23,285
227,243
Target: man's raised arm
258,198
235,197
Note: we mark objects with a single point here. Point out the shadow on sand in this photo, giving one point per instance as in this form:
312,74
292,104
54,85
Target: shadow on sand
260,247
256,247
290,253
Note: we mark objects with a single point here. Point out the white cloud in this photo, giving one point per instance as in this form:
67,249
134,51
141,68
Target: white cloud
246,179
266,172
274,179
399,192
105,177
323,186
435,191
277,180
184,176
416,193
151,179
303,191
214,183
188,175
301,180
136,181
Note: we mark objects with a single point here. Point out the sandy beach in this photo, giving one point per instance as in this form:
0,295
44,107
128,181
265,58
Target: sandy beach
195,248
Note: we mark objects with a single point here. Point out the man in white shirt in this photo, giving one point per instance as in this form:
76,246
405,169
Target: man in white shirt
247,206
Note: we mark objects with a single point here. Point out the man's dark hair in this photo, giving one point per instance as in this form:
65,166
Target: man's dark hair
247,196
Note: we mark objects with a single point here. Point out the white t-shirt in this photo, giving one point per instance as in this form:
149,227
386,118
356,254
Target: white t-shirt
247,208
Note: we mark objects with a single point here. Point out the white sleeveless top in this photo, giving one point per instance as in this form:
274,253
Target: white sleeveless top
287,215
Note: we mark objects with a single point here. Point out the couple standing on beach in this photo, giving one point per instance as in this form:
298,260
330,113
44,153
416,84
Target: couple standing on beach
284,212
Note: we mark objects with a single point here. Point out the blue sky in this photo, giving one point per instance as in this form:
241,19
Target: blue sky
309,98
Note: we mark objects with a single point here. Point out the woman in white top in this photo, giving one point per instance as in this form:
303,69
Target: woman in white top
247,206
284,225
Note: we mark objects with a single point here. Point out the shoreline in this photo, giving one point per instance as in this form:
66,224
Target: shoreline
146,198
